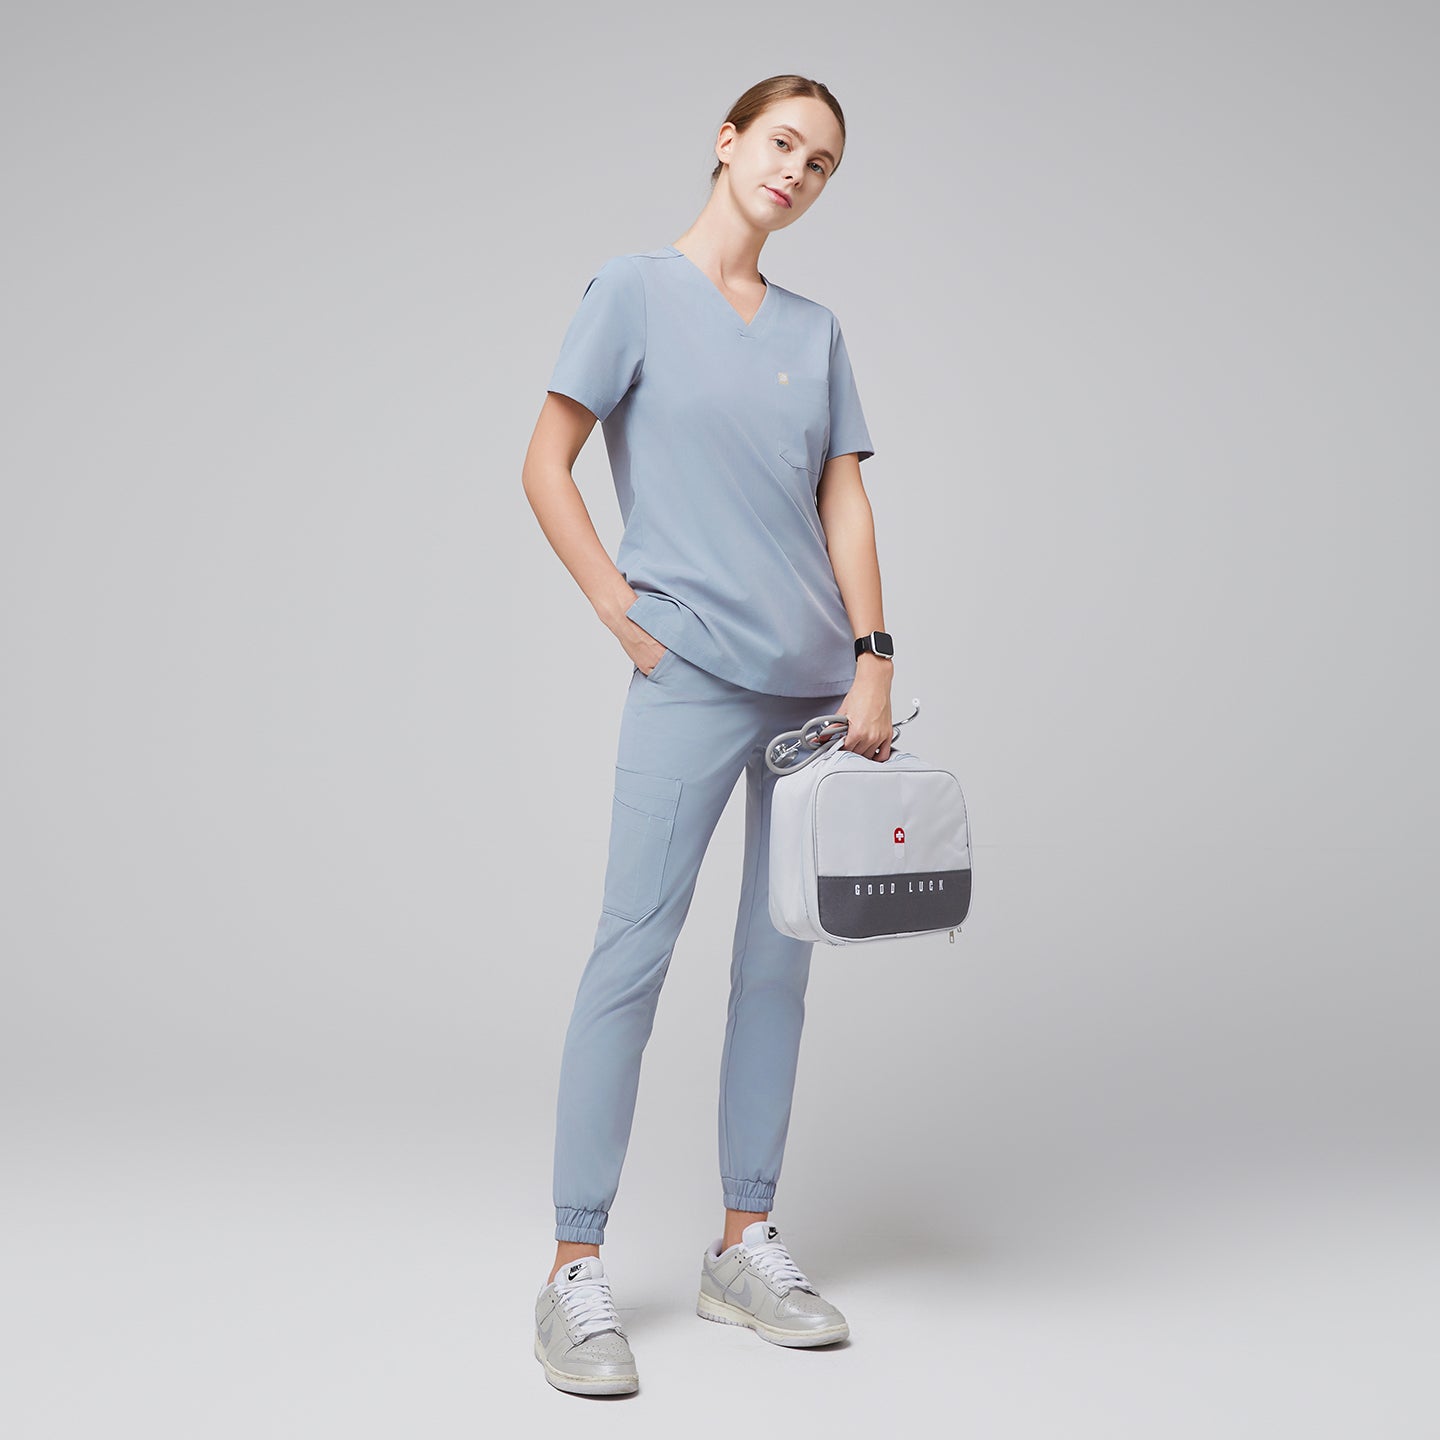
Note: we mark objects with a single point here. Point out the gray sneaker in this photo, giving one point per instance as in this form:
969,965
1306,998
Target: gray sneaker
578,1336
755,1283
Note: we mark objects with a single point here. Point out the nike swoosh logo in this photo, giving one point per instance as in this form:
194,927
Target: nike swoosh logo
546,1330
743,1296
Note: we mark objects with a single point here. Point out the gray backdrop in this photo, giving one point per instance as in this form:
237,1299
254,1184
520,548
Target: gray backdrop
308,736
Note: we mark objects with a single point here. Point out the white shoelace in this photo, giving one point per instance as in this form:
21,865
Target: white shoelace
589,1307
773,1261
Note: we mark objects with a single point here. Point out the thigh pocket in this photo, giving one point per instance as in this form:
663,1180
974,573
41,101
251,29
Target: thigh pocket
642,822
803,403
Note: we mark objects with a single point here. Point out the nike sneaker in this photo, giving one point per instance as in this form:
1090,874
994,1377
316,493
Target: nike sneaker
755,1283
578,1335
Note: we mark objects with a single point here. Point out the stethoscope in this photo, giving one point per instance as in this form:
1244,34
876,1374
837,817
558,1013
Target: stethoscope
783,749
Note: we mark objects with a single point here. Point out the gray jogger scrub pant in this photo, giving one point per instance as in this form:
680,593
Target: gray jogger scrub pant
685,736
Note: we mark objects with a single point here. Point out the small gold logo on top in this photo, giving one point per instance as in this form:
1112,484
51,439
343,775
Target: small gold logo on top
783,377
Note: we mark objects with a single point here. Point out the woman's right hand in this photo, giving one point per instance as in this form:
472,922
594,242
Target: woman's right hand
644,650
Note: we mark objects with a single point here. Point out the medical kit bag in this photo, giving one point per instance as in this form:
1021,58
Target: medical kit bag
864,849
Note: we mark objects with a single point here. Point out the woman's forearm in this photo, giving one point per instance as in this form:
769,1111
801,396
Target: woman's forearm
560,509
850,538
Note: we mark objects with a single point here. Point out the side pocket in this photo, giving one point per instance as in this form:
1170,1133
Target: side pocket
642,822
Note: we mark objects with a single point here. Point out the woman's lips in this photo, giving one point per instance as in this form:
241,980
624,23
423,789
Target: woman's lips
780,195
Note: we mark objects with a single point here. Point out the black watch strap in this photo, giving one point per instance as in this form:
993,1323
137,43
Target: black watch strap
878,642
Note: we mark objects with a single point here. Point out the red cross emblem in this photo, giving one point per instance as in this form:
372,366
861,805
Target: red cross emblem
899,834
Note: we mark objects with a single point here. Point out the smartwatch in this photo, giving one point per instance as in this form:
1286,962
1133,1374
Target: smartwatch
877,642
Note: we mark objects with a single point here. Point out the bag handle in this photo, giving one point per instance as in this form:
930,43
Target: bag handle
781,751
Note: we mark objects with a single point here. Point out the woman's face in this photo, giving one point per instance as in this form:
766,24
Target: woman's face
779,166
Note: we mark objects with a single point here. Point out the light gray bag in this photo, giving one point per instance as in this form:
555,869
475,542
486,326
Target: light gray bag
861,850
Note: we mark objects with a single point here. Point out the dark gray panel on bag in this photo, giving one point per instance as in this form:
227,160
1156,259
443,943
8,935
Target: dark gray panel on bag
857,907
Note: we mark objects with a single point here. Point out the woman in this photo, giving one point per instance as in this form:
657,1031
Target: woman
746,592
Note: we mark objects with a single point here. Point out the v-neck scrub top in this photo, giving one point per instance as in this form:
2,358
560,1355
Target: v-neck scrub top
717,433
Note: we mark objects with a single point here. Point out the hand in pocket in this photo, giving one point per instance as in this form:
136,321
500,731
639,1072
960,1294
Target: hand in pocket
644,650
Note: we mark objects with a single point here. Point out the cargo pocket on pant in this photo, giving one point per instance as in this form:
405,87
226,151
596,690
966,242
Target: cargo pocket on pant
642,821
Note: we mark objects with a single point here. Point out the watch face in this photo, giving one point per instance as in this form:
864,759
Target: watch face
884,645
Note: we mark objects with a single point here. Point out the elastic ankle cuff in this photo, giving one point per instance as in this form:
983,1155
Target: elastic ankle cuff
757,1195
585,1227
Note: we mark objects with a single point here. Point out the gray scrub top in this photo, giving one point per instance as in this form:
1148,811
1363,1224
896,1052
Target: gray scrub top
717,432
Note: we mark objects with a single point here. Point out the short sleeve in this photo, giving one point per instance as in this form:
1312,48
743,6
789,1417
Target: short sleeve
604,347
848,431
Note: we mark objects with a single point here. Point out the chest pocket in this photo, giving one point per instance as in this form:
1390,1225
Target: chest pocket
802,404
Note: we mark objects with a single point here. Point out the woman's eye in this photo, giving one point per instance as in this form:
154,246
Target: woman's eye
780,140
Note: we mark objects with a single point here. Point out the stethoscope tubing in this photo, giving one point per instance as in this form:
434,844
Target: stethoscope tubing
783,748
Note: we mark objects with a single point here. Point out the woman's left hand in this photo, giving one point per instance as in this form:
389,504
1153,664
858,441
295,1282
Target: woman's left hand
867,708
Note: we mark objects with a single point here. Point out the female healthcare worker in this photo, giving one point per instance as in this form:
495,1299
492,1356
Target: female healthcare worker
746,592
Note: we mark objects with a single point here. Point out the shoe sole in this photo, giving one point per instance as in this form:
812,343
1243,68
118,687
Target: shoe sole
723,1313
586,1384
